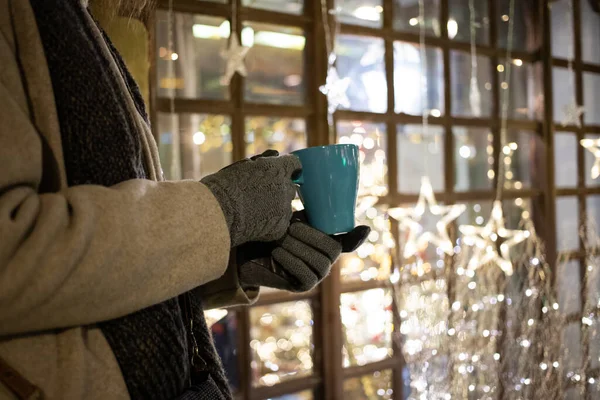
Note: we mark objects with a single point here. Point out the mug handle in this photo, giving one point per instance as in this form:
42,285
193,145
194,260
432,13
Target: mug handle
298,179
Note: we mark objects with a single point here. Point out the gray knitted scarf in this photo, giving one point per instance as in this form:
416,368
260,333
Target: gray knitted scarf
102,146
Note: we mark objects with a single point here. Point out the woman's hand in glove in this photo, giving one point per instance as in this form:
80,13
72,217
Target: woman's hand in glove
299,261
256,196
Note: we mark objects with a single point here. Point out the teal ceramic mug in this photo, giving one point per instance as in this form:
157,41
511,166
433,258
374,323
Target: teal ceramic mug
328,186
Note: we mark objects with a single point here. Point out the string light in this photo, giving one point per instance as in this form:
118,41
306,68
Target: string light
492,242
593,145
235,54
410,218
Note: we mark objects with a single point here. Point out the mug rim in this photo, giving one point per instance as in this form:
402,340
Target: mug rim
326,146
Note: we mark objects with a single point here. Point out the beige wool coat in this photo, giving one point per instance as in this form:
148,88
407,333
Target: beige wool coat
73,256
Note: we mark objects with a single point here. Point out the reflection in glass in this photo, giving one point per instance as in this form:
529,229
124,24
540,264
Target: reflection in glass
375,386
360,59
524,96
367,324
282,134
304,395
460,70
523,26
196,62
474,158
223,327
420,154
406,16
192,146
589,160
269,81
563,44
361,12
590,32
459,21
408,80
565,159
567,223
591,98
284,6
563,89
281,342
372,141
517,156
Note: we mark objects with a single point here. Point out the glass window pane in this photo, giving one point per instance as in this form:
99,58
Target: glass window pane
561,14
406,16
563,89
590,159
370,387
524,25
281,342
372,140
591,98
367,324
361,12
192,146
571,349
372,260
196,61
459,21
519,165
567,223
282,134
223,327
408,79
569,287
477,213
565,159
284,6
280,82
360,59
464,102
524,96
590,32
592,207
305,395
474,158
420,154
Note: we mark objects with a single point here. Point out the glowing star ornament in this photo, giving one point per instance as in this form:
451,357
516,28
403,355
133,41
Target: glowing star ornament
410,219
492,242
593,145
572,115
335,89
234,58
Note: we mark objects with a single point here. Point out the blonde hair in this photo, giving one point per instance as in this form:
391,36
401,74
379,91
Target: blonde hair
123,8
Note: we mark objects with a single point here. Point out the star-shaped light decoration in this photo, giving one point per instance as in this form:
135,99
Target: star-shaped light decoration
335,89
410,218
572,114
492,242
234,58
593,145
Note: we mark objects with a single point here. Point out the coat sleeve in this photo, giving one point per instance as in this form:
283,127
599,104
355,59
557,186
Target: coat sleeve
92,253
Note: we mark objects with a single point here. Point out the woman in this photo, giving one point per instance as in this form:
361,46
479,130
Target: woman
103,266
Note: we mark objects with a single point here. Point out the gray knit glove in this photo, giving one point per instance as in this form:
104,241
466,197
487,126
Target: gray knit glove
256,196
299,261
